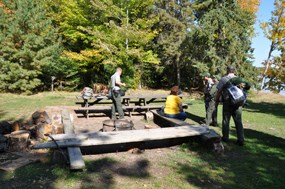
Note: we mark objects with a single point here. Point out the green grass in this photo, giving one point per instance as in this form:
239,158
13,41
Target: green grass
19,107
259,164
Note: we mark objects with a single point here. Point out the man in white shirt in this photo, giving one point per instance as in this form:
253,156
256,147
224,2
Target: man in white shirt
116,95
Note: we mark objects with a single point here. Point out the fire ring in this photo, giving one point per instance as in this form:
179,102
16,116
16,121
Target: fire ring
117,125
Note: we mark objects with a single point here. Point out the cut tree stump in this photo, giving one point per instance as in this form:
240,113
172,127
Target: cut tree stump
40,117
18,141
43,129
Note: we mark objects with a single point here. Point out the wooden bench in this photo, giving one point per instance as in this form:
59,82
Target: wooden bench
129,109
142,101
119,137
210,138
75,157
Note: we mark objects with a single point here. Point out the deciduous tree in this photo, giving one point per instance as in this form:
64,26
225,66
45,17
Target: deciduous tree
274,30
100,35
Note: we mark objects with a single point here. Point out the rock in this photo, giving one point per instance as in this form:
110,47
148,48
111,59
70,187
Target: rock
56,119
149,115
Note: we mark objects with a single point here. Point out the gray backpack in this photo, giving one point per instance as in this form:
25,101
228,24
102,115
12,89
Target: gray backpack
237,96
87,92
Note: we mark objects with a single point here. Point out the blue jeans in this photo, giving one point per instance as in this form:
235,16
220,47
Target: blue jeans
181,116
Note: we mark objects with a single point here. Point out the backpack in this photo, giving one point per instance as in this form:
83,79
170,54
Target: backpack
237,96
87,92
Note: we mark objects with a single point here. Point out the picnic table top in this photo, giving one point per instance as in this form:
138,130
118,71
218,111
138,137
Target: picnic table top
153,96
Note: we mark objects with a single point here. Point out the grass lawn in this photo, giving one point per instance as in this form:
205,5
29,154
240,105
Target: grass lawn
259,164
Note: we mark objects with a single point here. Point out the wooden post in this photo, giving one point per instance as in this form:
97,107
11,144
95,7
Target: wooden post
74,153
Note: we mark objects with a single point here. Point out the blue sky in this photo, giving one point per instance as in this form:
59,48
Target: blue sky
260,43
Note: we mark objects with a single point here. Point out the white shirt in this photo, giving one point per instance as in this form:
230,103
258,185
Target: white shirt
114,79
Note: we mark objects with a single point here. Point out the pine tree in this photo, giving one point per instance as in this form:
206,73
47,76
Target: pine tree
29,45
175,18
221,37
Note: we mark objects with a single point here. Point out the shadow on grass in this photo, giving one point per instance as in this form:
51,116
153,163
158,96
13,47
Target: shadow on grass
276,109
195,118
100,173
258,164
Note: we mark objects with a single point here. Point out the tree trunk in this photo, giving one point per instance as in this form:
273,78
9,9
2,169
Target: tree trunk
267,63
178,74
18,141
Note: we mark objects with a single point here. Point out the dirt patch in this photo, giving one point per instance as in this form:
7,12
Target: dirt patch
95,121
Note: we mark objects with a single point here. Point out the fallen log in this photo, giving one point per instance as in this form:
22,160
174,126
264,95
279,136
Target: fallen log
117,137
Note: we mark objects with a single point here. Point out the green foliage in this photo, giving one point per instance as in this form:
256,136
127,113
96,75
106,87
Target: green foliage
28,44
157,43
222,37
175,18
273,73
117,33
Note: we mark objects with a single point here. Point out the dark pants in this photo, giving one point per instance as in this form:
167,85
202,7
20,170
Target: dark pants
117,105
181,116
236,113
211,112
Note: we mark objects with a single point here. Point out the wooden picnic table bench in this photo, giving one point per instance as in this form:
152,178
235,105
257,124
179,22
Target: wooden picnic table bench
129,109
140,102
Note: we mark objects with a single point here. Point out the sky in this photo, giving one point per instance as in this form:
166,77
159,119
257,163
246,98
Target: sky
260,43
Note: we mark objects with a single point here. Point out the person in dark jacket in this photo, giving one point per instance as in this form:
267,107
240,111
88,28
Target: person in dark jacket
212,108
228,109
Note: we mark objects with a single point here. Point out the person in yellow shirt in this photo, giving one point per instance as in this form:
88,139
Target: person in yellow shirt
173,106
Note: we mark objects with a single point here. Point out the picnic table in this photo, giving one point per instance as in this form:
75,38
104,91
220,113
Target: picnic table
130,103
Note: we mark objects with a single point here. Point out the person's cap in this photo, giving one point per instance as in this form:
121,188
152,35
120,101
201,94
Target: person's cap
231,69
206,75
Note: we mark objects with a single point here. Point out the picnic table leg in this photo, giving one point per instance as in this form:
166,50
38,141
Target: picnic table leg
86,106
126,101
142,100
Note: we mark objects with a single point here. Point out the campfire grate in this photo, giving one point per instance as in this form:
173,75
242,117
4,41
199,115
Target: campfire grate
117,125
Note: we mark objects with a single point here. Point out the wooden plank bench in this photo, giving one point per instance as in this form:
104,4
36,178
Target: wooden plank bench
118,137
210,137
74,153
162,121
